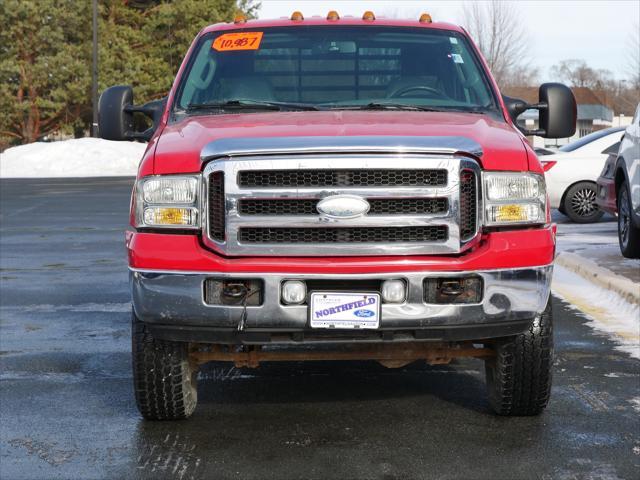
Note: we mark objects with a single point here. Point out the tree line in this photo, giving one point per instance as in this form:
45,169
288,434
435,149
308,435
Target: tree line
45,56
46,51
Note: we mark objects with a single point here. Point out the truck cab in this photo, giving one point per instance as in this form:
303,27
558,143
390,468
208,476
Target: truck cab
338,188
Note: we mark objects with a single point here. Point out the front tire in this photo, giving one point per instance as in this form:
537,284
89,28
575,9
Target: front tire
580,205
519,376
164,380
628,234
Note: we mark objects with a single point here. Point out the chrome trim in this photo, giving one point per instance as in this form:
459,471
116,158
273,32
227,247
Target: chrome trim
328,275
177,298
234,147
235,221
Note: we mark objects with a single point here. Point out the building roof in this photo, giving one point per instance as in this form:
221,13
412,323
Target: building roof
584,95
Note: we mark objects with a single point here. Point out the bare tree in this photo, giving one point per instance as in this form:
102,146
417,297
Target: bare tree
633,56
497,29
621,95
577,73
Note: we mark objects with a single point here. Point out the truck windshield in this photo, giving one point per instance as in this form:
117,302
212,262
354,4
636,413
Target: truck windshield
345,67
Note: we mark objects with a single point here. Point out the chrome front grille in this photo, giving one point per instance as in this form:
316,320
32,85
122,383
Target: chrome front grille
427,204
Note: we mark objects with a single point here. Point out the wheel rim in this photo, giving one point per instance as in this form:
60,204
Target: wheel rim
583,202
623,218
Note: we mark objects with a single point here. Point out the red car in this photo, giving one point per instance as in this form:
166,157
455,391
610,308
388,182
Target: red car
332,189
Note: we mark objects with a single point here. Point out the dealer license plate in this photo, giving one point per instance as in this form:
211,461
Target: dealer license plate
344,310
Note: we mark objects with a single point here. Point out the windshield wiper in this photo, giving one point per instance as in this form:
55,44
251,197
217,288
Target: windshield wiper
467,110
404,106
250,105
386,106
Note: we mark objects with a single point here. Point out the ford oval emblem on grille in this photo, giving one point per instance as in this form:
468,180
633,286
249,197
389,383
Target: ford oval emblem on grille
343,206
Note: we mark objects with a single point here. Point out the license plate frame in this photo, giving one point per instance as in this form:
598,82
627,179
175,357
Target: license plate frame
326,304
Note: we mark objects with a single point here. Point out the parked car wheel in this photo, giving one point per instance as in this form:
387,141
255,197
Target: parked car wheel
628,234
165,382
519,376
580,203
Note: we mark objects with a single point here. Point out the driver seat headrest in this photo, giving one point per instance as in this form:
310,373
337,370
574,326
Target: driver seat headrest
247,88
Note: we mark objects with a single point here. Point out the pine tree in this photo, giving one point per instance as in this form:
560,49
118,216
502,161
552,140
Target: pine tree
45,56
44,77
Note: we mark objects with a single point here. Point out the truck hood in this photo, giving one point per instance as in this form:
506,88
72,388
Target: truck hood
179,145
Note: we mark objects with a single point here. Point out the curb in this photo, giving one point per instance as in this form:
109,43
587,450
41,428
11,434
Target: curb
603,277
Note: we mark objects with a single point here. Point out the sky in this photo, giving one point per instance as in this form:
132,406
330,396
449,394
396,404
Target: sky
597,31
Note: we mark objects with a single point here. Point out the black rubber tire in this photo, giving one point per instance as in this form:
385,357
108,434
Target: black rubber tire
574,199
519,377
630,240
164,381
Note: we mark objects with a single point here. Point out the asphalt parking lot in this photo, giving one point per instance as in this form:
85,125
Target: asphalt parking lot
67,408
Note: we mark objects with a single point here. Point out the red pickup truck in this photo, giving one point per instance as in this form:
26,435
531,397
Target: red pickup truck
338,189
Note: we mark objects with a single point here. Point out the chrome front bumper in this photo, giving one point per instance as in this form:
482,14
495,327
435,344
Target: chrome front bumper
176,300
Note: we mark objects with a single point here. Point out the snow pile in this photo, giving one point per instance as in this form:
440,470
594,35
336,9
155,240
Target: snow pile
82,157
606,311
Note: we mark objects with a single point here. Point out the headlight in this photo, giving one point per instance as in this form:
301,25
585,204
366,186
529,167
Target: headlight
168,201
513,198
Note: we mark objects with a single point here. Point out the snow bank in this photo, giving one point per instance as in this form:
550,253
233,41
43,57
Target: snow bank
606,311
81,157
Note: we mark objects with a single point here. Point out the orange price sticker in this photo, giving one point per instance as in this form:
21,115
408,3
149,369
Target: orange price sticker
237,41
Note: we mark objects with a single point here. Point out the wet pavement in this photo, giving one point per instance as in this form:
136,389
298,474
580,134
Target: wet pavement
67,408
597,242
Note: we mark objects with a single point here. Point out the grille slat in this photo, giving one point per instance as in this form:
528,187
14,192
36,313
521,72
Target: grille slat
408,206
468,204
343,235
379,206
342,178
217,213
248,206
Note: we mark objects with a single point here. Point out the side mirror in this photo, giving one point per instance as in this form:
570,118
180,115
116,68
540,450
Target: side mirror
116,115
557,111
558,119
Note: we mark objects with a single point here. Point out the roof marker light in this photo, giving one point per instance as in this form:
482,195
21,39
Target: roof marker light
297,16
333,15
368,16
425,18
240,18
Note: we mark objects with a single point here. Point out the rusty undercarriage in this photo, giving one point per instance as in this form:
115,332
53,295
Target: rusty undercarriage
391,355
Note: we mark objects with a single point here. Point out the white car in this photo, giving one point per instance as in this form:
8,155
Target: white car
627,181
571,174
